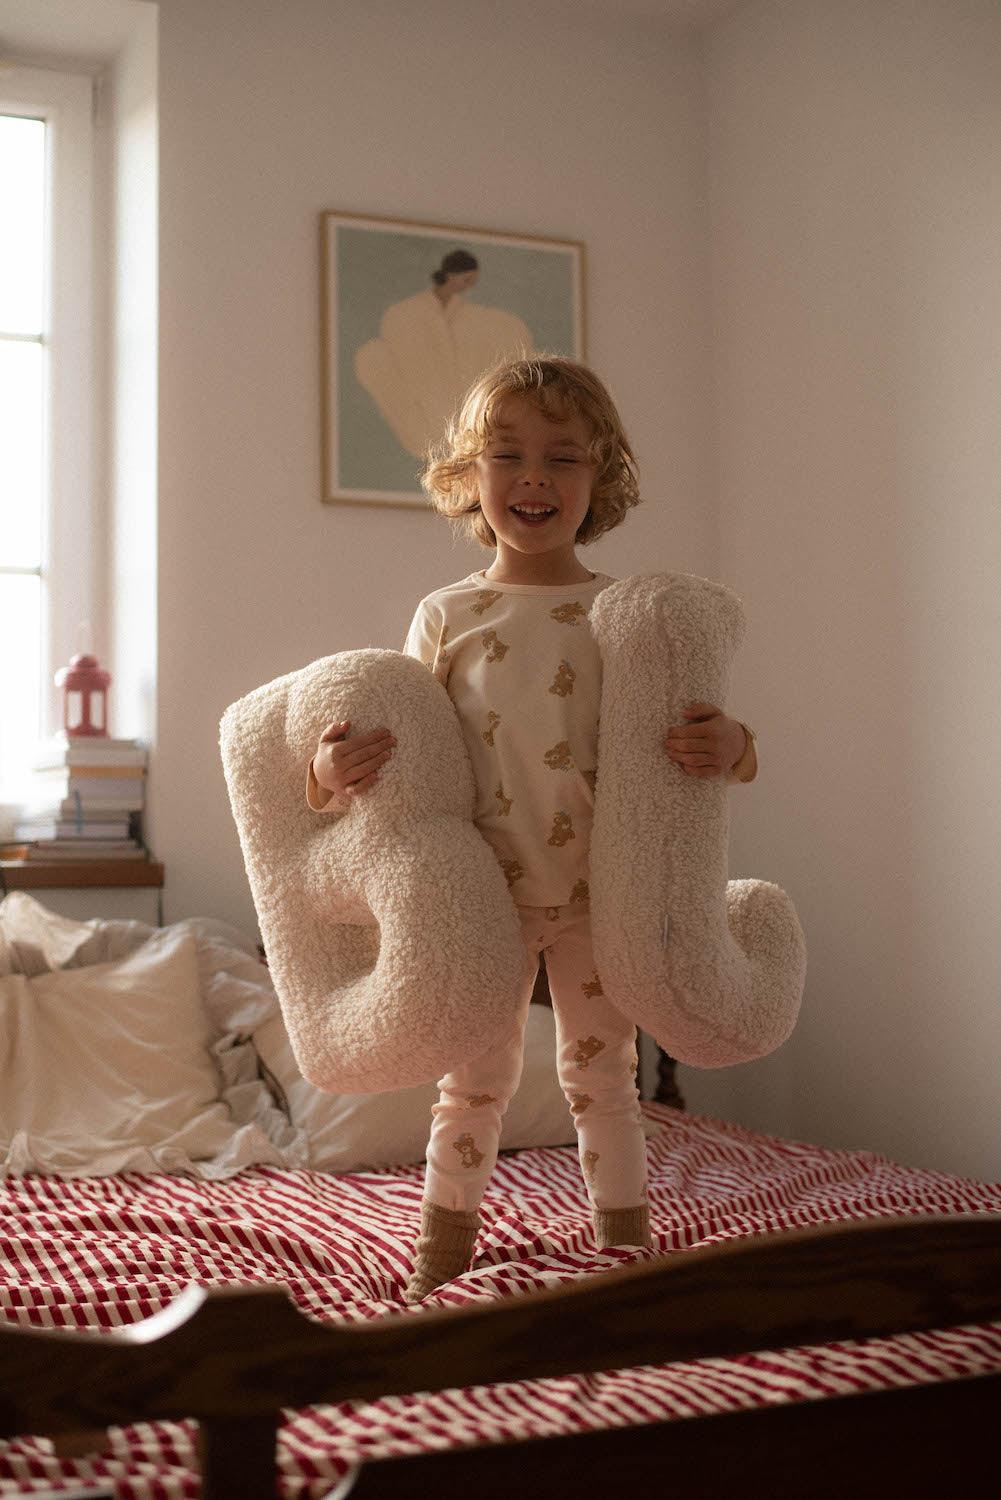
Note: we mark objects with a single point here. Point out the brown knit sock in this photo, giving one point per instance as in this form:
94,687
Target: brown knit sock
622,1226
443,1250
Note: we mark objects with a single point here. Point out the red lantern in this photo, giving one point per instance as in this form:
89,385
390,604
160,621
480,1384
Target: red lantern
85,696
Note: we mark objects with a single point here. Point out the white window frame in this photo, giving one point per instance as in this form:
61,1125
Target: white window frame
69,551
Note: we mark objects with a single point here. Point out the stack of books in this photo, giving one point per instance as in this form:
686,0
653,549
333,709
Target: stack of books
87,801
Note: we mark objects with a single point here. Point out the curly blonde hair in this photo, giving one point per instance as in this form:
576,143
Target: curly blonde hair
561,389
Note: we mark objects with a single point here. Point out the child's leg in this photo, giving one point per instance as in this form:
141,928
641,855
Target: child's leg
597,1062
462,1150
466,1120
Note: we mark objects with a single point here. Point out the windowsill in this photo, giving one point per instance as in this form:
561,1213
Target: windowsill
36,874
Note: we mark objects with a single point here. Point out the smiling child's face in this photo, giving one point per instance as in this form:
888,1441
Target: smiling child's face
534,481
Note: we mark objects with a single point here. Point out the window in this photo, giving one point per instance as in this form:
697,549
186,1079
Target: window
46,395
22,349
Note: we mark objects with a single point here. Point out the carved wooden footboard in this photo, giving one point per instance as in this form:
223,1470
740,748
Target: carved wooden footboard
233,1358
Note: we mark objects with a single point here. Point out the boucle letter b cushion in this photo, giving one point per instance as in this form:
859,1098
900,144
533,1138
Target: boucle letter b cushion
712,969
393,943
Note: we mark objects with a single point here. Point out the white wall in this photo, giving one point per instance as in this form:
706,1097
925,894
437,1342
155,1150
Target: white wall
855,223
792,235
849,495
583,129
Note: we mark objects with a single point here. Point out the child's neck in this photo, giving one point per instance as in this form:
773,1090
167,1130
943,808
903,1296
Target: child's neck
554,571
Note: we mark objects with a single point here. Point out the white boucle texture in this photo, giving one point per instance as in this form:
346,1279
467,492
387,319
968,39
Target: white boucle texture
394,943
392,939
713,969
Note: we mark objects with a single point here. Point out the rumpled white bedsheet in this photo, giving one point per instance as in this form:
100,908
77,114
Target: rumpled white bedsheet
229,1121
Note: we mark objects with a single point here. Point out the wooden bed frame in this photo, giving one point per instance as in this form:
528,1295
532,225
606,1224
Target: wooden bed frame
233,1358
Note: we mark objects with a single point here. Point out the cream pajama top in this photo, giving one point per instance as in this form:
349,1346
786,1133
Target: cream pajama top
523,670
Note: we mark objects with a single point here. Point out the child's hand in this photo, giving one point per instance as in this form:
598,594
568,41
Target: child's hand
710,745
349,766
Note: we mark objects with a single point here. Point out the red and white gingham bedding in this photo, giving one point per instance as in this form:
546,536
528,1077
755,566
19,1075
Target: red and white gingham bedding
102,1252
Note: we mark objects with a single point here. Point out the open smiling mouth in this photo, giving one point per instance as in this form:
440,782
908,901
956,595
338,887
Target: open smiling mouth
533,515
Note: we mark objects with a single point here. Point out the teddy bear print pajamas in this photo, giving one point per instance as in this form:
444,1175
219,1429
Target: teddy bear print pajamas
524,674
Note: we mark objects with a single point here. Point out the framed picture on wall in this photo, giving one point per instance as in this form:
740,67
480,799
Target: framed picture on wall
412,314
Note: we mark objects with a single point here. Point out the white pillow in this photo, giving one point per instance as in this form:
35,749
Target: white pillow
349,1132
236,995
38,940
107,1069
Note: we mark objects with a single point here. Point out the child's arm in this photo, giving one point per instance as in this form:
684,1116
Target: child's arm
328,788
746,767
344,768
427,639
711,744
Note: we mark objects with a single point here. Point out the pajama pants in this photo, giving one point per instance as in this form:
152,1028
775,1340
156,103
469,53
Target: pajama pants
596,1064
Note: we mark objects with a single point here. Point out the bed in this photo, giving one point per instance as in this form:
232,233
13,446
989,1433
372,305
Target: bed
211,1303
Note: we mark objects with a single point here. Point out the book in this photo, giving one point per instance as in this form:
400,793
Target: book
65,783
68,851
89,750
90,774
39,806
68,828
63,741
38,852
61,855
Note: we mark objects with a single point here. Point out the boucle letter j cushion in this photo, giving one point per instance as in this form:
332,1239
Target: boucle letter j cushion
712,969
393,940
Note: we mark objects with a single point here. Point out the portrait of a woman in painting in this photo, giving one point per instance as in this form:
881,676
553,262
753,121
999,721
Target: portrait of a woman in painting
430,349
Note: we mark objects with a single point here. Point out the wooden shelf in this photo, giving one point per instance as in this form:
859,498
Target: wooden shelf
36,874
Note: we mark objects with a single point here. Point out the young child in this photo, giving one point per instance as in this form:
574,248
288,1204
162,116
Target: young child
535,463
